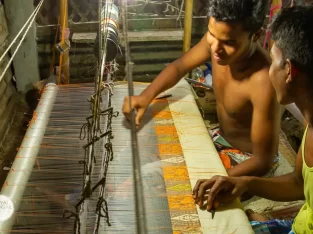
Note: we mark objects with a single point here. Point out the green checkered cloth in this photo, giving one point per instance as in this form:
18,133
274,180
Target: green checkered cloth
273,226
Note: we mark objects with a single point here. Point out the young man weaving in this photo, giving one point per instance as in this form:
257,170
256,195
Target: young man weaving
291,73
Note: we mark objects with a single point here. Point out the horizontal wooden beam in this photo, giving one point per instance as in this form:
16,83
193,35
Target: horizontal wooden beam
84,37
149,24
144,36
172,35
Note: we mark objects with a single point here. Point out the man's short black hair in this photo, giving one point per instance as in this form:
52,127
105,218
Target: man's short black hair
292,31
251,13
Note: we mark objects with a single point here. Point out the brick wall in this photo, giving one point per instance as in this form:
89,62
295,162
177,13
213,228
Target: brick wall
7,89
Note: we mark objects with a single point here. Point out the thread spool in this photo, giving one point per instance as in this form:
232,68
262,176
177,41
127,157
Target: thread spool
110,11
109,29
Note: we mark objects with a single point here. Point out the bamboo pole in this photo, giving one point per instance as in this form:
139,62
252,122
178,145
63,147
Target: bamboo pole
188,25
64,36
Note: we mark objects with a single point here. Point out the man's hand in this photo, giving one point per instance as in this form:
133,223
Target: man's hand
139,103
221,190
169,77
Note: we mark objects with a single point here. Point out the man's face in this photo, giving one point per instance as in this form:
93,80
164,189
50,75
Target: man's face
278,74
228,41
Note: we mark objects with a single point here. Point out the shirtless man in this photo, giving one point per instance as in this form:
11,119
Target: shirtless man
291,73
247,108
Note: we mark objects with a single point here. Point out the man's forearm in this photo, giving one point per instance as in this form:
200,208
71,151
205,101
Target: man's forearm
250,167
164,81
282,188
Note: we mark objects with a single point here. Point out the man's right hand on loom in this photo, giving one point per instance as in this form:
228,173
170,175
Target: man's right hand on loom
210,193
138,103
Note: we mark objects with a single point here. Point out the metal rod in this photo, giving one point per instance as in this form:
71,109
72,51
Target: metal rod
100,34
139,198
188,25
15,183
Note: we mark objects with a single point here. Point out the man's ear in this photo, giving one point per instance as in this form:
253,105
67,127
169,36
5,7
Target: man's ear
256,36
291,71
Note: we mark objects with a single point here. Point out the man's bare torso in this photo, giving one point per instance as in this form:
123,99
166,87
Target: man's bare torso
234,106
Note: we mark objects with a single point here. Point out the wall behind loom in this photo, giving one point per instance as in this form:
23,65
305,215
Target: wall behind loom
7,89
155,34
150,57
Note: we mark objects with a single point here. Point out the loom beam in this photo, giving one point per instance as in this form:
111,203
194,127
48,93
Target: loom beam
15,183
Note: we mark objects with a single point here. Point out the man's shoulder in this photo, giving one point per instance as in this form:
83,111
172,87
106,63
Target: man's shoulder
261,76
261,64
261,86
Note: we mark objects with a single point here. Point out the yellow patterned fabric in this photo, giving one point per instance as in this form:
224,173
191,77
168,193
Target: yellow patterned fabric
202,161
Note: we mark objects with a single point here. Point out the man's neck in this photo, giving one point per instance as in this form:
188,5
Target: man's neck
241,63
305,105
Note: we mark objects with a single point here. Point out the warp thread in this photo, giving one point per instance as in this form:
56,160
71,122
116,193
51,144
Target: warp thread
86,131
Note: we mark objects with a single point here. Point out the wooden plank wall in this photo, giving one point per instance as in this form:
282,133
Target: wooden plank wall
7,89
149,57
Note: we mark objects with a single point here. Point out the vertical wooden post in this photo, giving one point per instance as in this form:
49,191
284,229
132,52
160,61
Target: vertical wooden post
26,60
64,37
188,25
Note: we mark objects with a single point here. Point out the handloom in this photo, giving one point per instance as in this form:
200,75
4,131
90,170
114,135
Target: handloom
175,151
74,172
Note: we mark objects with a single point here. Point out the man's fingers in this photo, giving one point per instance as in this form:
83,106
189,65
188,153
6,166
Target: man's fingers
127,117
139,115
230,190
207,184
196,188
127,109
138,104
221,190
216,204
215,189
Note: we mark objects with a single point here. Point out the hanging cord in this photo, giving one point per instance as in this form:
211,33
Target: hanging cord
92,129
181,10
21,30
33,17
53,48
